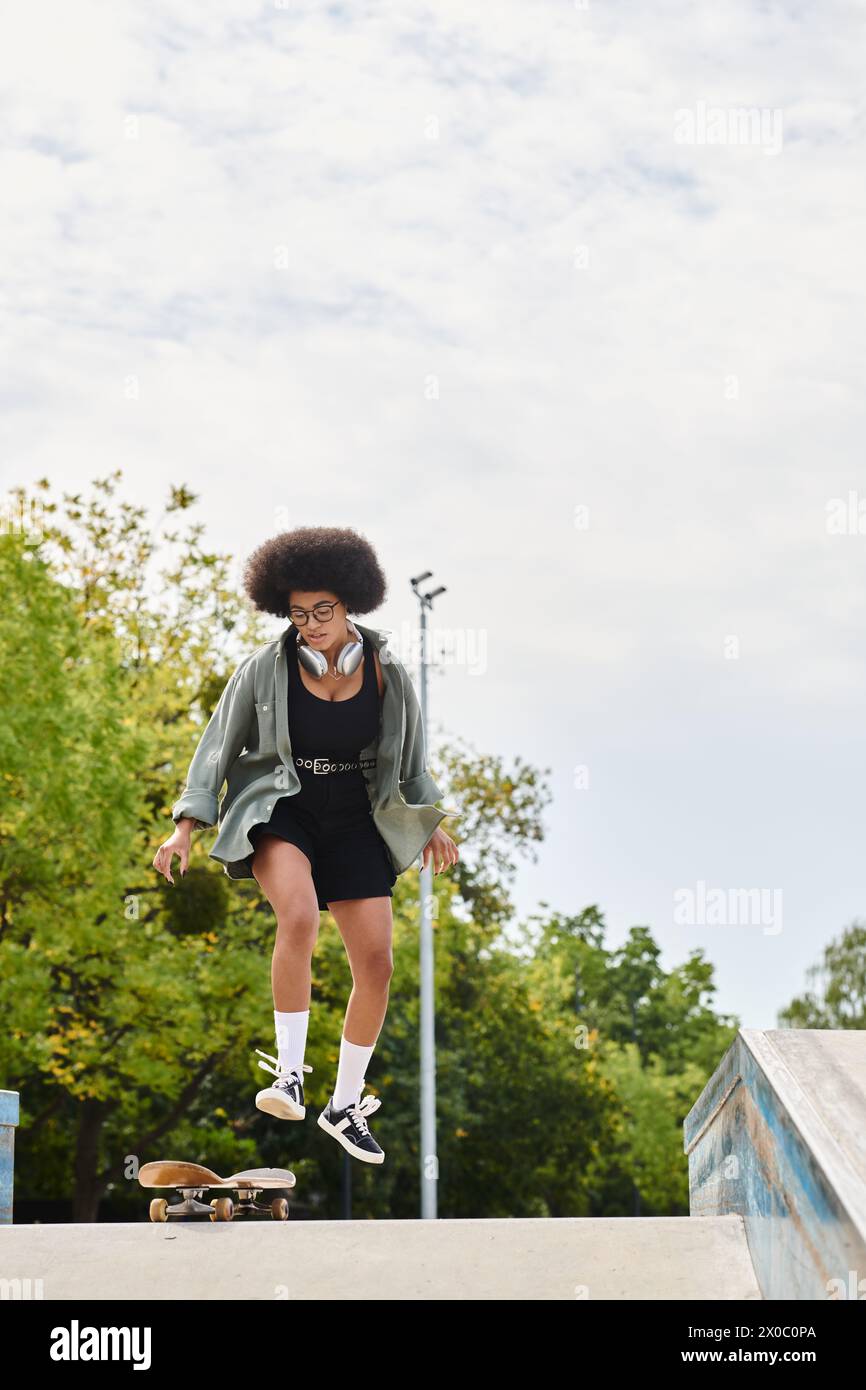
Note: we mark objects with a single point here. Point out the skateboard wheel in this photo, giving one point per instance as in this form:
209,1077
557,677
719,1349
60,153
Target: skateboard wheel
223,1209
280,1209
159,1209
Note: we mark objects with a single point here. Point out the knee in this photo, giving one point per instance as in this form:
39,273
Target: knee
378,968
296,929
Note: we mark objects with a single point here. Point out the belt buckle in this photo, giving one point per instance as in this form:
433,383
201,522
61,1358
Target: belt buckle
316,762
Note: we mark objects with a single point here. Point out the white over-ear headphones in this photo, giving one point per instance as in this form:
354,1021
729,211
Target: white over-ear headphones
317,663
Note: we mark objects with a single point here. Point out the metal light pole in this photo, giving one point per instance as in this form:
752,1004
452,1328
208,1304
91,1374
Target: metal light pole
429,1157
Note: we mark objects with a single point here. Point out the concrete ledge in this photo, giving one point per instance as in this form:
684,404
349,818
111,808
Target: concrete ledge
521,1259
778,1136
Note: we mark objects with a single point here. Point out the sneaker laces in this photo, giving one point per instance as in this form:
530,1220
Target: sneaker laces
360,1110
277,1071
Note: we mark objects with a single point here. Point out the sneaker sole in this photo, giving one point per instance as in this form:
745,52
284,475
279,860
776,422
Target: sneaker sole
282,1107
347,1143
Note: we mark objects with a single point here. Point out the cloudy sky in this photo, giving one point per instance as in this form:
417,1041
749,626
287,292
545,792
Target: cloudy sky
564,302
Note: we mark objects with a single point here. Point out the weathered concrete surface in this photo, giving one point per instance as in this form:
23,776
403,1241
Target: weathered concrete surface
565,1258
778,1136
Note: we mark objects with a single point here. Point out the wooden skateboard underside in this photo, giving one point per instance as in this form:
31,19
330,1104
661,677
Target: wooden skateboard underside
166,1173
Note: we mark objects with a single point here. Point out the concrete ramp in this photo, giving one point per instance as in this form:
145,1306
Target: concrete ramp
778,1136
776,1145
520,1259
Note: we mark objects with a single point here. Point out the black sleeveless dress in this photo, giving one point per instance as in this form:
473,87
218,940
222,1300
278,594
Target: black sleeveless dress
330,818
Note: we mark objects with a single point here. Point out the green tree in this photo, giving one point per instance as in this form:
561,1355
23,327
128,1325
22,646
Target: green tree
123,997
835,996
653,1034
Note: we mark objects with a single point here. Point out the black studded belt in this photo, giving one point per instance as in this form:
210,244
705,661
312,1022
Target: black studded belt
324,765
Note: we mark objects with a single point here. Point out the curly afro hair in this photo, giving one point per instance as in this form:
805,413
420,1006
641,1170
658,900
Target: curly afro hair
335,559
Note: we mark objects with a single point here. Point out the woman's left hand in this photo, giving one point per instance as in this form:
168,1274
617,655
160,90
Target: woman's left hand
442,849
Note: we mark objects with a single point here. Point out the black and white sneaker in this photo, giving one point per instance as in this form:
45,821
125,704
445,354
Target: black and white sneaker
349,1128
285,1097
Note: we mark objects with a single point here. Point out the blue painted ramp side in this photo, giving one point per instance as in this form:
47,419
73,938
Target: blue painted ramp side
8,1120
778,1136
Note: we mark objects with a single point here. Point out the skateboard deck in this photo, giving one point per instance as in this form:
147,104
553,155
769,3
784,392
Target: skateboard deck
193,1180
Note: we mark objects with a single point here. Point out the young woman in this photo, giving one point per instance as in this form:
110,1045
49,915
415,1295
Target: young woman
318,737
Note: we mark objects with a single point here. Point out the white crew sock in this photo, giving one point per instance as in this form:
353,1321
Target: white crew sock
291,1031
350,1073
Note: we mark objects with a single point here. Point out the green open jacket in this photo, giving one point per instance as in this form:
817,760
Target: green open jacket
246,745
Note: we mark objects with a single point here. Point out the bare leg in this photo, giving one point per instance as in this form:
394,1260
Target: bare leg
366,926
284,875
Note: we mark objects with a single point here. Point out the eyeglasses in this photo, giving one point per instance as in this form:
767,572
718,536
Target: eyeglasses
323,613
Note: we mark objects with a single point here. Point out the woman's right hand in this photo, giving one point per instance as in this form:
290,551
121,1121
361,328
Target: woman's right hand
177,843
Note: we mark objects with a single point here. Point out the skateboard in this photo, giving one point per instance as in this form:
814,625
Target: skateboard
192,1181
